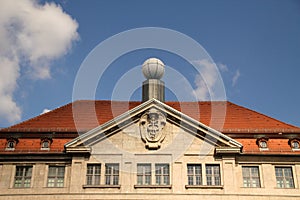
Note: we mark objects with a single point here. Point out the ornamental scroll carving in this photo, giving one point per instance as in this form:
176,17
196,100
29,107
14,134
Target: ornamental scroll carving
151,128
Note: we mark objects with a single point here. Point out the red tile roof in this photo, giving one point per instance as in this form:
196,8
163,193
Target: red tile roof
33,145
275,146
237,119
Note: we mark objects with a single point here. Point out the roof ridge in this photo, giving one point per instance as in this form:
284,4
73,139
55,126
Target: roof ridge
88,100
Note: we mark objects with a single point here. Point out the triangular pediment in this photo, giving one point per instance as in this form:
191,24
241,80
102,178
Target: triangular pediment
151,131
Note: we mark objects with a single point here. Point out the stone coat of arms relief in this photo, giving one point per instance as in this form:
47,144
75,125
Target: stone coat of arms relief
151,126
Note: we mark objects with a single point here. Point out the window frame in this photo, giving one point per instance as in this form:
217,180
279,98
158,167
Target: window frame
46,140
56,176
252,177
95,177
13,141
284,177
294,141
261,141
204,174
145,175
23,177
110,175
213,176
194,175
163,177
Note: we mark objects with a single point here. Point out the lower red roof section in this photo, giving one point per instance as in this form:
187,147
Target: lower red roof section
275,146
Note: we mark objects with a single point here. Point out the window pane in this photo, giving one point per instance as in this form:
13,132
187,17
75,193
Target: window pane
60,182
97,169
51,182
28,171
197,169
198,180
27,183
158,169
140,180
208,180
217,181
158,180
89,169
18,182
52,171
89,180
107,180
61,171
166,180
147,180
116,180
45,144
97,180
190,180
190,169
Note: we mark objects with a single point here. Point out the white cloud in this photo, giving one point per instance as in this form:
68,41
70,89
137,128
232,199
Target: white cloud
31,36
206,80
45,111
235,77
223,67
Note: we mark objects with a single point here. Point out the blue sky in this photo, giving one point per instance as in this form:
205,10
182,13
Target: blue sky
255,45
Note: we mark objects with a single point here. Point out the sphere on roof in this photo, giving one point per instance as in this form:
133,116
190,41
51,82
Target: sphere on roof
153,68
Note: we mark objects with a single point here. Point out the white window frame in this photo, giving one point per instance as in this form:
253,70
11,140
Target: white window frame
162,178
95,177
23,177
111,175
56,177
284,177
252,177
194,175
145,175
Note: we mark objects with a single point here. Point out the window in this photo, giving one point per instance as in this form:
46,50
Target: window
162,174
23,176
295,144
213,175
112,174
284,177
144,174
194,174
251,176
56,175
11,144
45,144
262,143
93,174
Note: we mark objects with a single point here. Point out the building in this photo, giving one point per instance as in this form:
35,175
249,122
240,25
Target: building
150,150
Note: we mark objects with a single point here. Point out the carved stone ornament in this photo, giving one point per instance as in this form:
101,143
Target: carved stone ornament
151,128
